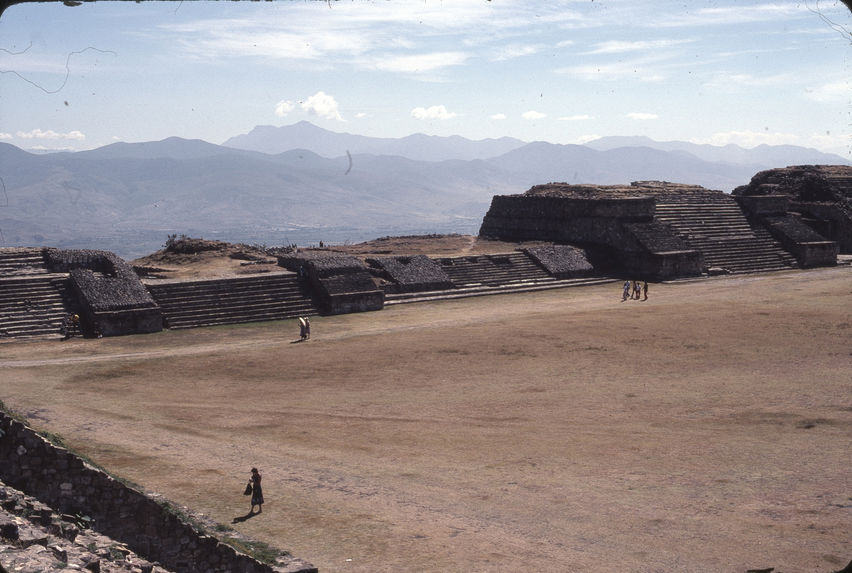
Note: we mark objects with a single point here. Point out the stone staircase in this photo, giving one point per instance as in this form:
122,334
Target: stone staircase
189,304
478,275
33,301
714,224
493,270
21,261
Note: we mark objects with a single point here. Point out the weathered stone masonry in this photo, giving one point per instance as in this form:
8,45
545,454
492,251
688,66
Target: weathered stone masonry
619,219
62,480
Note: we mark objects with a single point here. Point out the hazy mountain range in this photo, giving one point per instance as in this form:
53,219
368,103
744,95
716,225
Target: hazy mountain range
302,184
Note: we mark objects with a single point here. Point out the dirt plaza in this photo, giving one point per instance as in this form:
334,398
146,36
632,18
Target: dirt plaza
706,429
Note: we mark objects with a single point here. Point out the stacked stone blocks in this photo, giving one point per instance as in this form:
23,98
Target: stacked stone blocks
63,481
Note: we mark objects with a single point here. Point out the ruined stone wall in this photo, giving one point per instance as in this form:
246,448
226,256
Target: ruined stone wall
822,193
112,299
411,274
64,481
619,220
341,283
832,220
562,219
562,261
762,205
809,247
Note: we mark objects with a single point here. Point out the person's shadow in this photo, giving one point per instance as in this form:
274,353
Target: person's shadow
245,517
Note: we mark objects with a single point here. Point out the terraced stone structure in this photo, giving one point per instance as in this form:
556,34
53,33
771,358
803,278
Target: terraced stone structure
111,299
34,301
41,287
647,229
341,284
820,196
409,274
212,302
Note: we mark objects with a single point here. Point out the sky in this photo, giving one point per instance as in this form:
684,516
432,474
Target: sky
563,71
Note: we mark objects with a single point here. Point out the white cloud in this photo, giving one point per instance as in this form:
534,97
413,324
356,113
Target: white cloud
421,63
323,105
579,117
642,116
840,92
52,149
282,108
497,116
728,15
432,112
50,134
360,114
533,115
5,135
513,51
622,46
730,82
646,68
587,138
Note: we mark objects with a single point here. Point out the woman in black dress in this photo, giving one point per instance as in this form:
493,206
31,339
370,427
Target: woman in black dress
256,491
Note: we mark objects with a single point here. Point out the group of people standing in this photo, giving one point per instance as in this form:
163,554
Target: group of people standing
634,291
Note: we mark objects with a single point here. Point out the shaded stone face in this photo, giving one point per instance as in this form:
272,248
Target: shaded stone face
617,218
820,194
802,183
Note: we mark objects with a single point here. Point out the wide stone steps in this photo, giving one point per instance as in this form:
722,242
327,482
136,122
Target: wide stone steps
189,304
479,275
705,220
493,270
482,290
21,261
34,306
721,232
843,181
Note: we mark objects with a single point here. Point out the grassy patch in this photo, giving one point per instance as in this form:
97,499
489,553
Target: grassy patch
259,550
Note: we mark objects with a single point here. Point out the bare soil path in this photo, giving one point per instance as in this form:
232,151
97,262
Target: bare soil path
707,429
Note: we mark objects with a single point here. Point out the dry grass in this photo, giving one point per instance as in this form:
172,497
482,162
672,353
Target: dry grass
707,429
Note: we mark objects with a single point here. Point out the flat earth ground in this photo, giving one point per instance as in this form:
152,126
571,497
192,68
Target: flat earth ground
706,429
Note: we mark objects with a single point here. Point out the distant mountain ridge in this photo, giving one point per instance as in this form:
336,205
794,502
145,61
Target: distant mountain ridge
762,154
127,197
305,135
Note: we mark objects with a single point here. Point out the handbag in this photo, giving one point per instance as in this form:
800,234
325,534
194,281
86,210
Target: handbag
247,490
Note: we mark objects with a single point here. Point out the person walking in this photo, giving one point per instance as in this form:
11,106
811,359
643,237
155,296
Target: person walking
626,291
645,290
637,290
256,491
